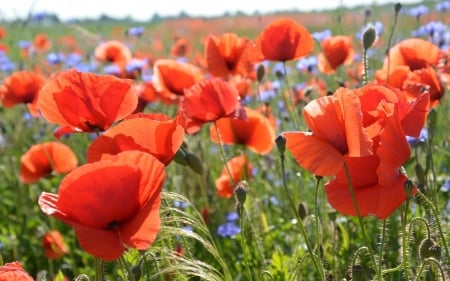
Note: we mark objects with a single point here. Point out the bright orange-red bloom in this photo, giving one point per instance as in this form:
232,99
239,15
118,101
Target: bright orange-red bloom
112,204
14,271
53,245
229,54
2,33
41,42
337,51
180,48
113,51
171,77
208,101
43,159
284,40
365,128
21,87
240,168
86,102
156,134
256,131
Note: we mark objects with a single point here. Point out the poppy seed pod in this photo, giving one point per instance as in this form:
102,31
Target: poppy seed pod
428,248
260,72
369,37
281,144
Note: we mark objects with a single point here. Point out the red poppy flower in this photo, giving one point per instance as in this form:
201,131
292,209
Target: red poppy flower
53,245
240,169
112,204
43,159
2,33
87,102
171,77
41,42
366,128
208,101
228,54
14,271
337,51
180,47
155,134
22,87
347,123
113,51
256,132
284,40
425,78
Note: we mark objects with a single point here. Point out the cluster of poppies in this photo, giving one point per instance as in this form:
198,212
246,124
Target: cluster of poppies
112,201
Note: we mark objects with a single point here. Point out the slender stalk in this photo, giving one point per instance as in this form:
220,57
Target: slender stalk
317,264
422,266
99,272
380,253
360,221
316,218
222,153
126,268
366,67
405,259
293,114
242,215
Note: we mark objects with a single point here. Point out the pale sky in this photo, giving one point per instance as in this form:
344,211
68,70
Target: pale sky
144,9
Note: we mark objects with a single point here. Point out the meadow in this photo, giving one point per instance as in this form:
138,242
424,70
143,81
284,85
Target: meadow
289,146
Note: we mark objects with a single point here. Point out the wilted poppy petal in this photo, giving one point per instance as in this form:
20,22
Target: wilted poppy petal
313,153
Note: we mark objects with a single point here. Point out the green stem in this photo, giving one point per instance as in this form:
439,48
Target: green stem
316,218
366,67
293,113
222,153
422,266
99,272
360,221
316,263
405,259
437,222
242,214
126,268
380,253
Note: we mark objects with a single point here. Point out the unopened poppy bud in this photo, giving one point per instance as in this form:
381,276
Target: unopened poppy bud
369,37
409,188
302,210
281,143
180,157
137,270
420,173
398,7
194,162
240,191
260,72
428,248
358,272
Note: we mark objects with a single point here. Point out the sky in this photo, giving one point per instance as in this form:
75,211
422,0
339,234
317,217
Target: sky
145,9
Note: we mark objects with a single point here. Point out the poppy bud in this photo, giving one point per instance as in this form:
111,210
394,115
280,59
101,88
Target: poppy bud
137,270
281,143
240,191
260,72
358,272
397,8
180,157
194,162
432,119
420,173
428,248
409,187
369,36
302,210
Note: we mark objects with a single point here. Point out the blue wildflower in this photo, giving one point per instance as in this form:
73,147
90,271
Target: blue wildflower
321,35
136,31
55,58
418,11
228,229
307,64
422,138
232,216
24,44
442,6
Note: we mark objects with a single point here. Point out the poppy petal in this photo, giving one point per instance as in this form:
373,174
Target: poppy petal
313,153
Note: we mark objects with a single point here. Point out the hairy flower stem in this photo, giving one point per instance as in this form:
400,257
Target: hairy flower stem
293,113
405,259
366,68
316,218
391,34
126,269
222,153
437,221
316,262
361,223
380,253
429,261
242,212
99,270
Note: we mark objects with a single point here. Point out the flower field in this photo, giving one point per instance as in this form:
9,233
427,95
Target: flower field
289,146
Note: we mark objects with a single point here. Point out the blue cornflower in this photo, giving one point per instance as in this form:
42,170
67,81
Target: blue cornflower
418,11
24,44
73,59
39,16
112,69
136,31
422,138
55,58
445,187
320,35
307,64
228,229
136,64
232,216
442,6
